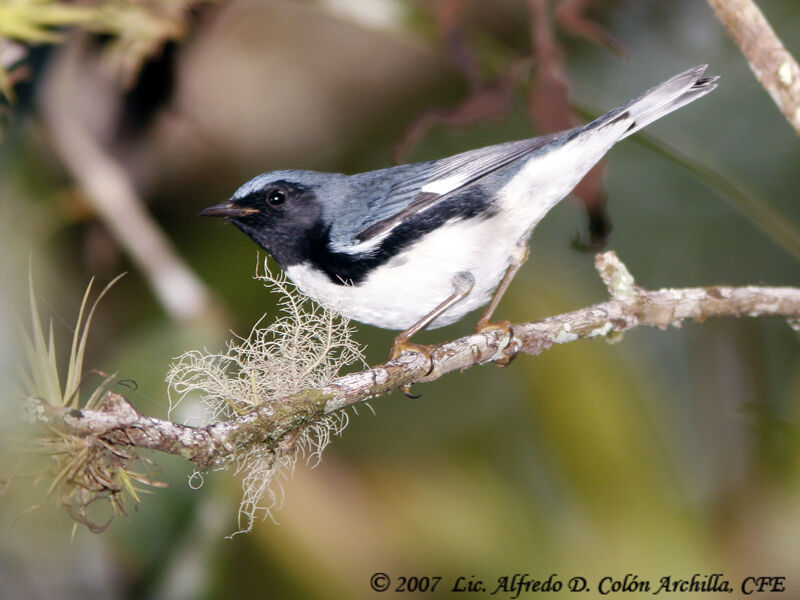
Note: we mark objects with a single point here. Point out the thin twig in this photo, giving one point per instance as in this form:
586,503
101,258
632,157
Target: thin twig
630,306
773,65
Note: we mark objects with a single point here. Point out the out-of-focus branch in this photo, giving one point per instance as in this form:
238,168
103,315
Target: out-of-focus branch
572,16
487,100
279,422
109,190
774,67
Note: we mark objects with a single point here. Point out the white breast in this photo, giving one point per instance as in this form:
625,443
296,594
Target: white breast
408,287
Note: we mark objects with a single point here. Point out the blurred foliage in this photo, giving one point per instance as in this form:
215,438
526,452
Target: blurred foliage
137,29
41,378
81,471
669,453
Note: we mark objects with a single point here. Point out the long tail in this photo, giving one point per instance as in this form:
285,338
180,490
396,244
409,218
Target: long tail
664,98
558,163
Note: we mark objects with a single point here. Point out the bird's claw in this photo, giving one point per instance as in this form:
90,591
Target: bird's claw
485,326
398,347
406,391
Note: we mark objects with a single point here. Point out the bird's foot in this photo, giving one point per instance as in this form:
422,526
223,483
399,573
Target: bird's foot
512,347
400,345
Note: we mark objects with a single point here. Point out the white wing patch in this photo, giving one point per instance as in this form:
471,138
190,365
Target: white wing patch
445,185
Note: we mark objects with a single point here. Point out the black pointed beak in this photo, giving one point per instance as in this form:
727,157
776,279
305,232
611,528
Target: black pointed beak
228,210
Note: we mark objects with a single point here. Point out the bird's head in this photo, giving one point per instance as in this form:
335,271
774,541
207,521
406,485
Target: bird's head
280,210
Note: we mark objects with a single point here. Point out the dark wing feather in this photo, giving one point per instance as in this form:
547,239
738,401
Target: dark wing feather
401,192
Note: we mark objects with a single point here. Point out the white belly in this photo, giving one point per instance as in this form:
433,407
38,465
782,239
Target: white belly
409,286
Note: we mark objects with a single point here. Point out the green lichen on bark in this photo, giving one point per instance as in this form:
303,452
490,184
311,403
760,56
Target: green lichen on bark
268,424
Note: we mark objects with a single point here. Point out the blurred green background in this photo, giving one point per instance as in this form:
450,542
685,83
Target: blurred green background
671,453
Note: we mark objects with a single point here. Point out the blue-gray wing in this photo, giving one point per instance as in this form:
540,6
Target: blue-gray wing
394,195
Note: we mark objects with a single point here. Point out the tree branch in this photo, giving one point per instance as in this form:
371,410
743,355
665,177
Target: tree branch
774,67
109,190
117,423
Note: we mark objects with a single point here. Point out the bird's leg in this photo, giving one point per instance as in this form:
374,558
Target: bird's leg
518,258
463,283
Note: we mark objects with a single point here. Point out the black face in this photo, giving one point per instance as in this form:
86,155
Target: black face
280,217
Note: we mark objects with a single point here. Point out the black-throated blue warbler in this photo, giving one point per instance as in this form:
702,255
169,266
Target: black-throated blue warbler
421,245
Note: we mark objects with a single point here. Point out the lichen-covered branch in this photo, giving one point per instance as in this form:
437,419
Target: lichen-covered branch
118,423
773,65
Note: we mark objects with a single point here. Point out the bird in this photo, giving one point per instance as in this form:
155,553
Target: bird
421,245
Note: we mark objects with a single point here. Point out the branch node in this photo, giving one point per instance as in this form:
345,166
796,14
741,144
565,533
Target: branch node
785,73
794,324
615,275
35,411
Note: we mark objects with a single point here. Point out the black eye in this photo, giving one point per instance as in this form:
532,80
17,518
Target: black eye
276,197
